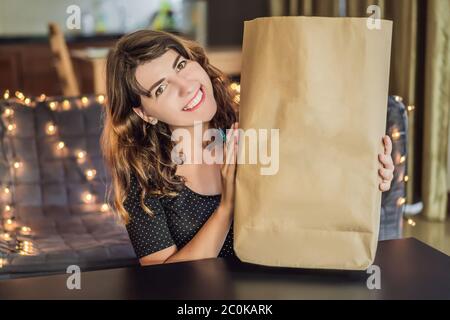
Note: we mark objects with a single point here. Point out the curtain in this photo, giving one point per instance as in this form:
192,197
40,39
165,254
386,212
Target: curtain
404,71
420,71
436,111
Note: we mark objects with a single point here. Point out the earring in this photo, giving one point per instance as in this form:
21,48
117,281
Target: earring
153,121
180,159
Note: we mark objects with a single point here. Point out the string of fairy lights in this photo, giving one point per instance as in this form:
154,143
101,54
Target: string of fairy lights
16,238
401,159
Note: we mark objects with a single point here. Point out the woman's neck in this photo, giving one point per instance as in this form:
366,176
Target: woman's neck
195,133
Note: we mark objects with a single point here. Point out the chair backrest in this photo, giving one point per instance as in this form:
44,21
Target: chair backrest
51,221
62,61
51,179
393,201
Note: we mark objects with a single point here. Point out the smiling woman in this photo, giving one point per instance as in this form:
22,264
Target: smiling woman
156,83
174,210
184,84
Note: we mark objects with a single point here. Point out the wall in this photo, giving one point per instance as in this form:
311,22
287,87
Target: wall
448,161
25,17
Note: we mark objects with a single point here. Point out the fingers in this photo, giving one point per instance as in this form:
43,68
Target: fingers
231,151
386,161
384,186
387,145
386,174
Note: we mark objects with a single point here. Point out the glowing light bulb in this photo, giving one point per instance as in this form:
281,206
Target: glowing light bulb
50,128
27,101
406,178
88,197
9,225
25,247
61,145
411,108
11,127
52,105
398,98
84,101
20,95
402,159
104,207
27,244
66,105
401,201
90,174
100,98
17,164
6,190
8,112
6,95
6,236
81,154
236,87
25,230
395,135
411,222
8,208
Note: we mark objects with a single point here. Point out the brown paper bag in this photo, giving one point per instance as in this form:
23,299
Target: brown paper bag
323,82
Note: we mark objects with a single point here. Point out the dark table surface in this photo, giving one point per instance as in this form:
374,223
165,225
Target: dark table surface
409,269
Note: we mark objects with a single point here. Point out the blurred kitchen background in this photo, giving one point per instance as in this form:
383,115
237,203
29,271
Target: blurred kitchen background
58,48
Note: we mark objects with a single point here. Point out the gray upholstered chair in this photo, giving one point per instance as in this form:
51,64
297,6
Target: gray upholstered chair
49,189
392,203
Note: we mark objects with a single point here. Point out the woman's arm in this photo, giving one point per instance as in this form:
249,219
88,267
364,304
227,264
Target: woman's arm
207,243
209,240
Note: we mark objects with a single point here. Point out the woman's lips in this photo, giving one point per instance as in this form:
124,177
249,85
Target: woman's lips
199,103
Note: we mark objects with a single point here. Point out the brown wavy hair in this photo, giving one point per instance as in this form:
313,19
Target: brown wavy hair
130,145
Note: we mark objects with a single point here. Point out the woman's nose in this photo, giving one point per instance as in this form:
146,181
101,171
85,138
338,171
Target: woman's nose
186,86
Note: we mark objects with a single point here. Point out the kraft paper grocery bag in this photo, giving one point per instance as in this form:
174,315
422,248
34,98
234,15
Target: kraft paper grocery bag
323,82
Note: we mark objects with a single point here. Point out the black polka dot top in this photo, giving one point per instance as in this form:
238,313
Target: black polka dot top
176,220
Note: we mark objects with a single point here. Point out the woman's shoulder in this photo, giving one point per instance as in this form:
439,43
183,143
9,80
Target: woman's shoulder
135,188
134,184
134,194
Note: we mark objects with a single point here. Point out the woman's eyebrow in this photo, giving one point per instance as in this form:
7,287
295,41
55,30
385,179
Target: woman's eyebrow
157,83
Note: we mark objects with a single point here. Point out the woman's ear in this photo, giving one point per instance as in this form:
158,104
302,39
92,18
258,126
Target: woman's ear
140,112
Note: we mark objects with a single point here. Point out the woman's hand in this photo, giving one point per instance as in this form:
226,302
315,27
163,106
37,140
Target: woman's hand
387,171
228,169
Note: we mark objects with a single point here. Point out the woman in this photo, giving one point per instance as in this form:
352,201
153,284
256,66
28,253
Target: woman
173,211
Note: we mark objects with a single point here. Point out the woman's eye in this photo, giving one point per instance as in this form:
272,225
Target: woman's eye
181,64
159,91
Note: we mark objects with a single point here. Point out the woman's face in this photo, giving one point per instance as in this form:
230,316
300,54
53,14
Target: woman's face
181,91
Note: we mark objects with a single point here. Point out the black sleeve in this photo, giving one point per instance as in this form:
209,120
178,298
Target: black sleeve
148,234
